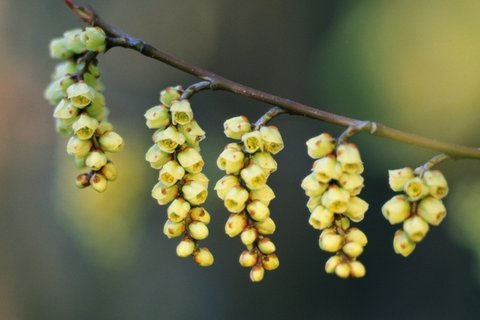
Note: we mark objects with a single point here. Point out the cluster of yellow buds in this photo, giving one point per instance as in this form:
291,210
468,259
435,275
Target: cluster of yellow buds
80,106
245,192
176,153
333,188
420,205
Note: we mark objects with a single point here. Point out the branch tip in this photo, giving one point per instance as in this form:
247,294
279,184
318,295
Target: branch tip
70,4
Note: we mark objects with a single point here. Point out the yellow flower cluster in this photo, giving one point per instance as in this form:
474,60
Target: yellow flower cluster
176,153
333,188
80,106
420,206
245,192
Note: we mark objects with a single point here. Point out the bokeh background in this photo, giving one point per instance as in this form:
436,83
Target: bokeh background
74,254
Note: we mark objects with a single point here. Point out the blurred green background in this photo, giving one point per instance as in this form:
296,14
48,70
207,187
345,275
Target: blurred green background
74,254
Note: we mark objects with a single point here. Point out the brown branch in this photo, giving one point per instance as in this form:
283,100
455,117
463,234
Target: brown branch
118,38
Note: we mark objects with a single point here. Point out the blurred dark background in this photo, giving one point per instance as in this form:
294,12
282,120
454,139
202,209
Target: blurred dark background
74,254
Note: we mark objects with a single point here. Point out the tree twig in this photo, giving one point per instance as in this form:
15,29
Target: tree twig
118,38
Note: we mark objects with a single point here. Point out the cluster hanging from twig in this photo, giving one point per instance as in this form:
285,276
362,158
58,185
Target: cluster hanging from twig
333,186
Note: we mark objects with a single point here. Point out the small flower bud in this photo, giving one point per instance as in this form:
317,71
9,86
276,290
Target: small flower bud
397,178
312,187
96,85
157,117
192,132
436,183
64,69
157,157
236,127
235,224
94,39
169,139
352,249
270,262
59,49
330,241
164,194
332,263
321,218
173,229
198,230
203,257
98,182
94,69
356,235
320,146
185,248
432,210
258,211
335,199
170,94
84,127
197,177
415,189
342,222
65,110
82,181
342,270
397,209
78,148
253,176
248,259
272,140
109,171
57,90
349,158
351,182
357,269
181,112
252,141
248,236
266,227
416,228
72,41
97,108
200,214
265,161
80,162
63,127
178,210
314,202
402,244
104,127
266,246
191,160
96,160
264,194
325,169
195,193
257,273
235,199
356,208
230,160
111,142
225,184
80,94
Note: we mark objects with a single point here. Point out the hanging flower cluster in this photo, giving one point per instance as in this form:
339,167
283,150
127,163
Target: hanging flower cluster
333,188
80,105
420,206
246,195
176,153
